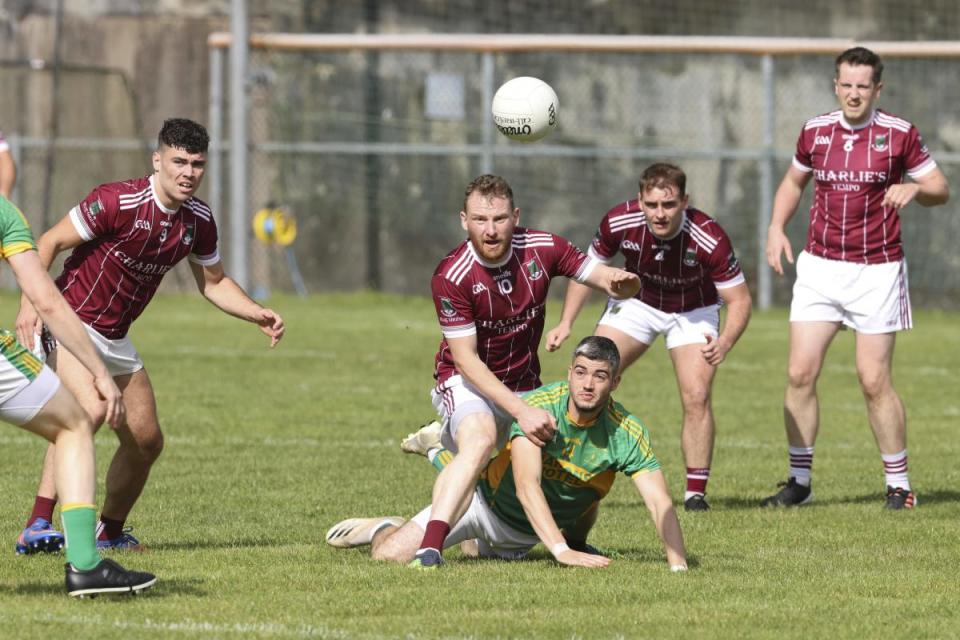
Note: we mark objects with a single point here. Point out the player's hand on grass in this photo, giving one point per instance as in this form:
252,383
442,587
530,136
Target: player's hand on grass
28,325
573,558
623,284
777,244
557,336
899,195
116,413
271,324
538,425
714,352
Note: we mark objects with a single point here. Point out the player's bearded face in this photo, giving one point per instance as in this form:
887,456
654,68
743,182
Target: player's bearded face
179,174
489,223
663,209
856,92
591,383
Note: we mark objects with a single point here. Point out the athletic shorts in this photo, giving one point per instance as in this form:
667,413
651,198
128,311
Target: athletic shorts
869,298
25,403
644,323
495,538
455,399
119,355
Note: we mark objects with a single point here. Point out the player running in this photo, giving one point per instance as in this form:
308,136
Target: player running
548,493
687,267
125,236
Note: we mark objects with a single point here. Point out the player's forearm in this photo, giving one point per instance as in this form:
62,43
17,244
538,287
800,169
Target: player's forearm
737,319
230,298
479,375
785,203
668,528
8,173
576,297
538,513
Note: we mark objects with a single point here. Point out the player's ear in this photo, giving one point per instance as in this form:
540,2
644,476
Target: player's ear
156,161
616,383
516,215
463,220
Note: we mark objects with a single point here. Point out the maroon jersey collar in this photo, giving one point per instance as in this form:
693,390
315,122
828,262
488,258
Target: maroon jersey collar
850,127
156,199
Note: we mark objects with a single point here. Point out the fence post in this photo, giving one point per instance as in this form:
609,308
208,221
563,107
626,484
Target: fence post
764,284
239,47
215,157
486,127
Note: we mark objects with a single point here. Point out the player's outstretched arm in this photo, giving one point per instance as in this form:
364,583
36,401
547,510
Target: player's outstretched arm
527,466
42,295
615,282
785,204
62,236
577,296
739,304
653,489
226,295
537,424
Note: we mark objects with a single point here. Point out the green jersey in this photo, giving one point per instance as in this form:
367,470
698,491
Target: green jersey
579,464
15,235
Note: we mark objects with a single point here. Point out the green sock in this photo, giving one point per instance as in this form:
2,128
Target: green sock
79,525
440,458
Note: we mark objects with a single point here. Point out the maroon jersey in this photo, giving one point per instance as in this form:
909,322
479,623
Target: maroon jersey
131,241
852,169
679,274
503,303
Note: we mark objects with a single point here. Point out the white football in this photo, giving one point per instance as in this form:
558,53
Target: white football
525,109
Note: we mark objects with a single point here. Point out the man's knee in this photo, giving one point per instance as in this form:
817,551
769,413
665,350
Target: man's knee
476,437
146,445
802,375
874,382
696,400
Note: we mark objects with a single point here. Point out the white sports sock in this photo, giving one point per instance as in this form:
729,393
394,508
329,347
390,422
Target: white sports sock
895,470
801,464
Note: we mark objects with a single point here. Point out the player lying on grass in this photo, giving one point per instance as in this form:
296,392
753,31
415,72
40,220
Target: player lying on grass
528,495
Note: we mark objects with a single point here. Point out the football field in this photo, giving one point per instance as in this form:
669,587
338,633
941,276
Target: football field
267,449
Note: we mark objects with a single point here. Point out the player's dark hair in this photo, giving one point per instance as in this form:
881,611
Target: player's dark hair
861,56
600,349
489,186
662,175
183,134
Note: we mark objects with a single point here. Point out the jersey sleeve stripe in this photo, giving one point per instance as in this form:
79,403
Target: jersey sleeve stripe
14,248
922,169
459,332
199,209
619,223
460,268
799,166
206,260
732,282
586,269
893,122
592,253
701,237
80,224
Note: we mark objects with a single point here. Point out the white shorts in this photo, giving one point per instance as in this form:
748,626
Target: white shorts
495,538
25,404
119,355
869,298
455,399
644,323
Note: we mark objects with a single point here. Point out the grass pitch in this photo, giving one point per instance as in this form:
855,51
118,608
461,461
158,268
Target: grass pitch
266,449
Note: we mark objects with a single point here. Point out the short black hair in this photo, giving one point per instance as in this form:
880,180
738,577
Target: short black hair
184,134
599,349
861,57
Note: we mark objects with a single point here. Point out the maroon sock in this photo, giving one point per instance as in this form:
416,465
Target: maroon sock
110,529
42,508
435,534
697,479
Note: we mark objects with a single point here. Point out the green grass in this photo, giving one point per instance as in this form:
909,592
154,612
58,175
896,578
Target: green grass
265,450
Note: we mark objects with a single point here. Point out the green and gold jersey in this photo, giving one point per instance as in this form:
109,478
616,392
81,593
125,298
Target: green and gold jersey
15,235
579,464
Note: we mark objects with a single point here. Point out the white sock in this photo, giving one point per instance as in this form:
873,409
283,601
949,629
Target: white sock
895,470
801,464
